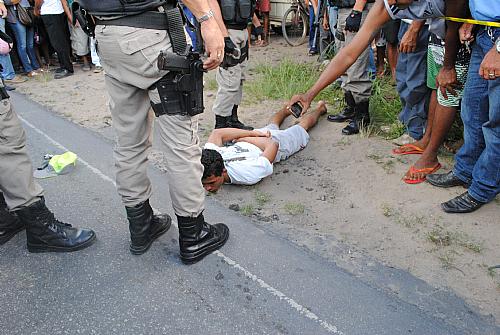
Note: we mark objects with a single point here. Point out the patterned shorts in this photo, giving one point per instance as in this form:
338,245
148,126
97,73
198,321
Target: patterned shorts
435,58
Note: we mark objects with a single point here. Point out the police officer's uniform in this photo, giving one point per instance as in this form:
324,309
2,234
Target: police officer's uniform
230,77
19,193
129,55
356,82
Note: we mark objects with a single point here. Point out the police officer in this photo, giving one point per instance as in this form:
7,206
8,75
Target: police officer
22,205
231,74
130,36
356,83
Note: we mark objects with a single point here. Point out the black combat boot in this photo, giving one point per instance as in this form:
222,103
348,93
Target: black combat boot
10,224
348,112
221,121
361,119
45,233
198,238
233,121
145,227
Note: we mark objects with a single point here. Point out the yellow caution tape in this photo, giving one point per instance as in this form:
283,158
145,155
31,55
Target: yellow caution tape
482,23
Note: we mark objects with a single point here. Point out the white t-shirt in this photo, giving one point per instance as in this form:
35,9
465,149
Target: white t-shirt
51,7
433,10
244,162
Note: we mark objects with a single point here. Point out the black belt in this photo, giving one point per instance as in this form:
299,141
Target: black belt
147,20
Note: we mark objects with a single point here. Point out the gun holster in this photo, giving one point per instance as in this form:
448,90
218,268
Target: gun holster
230,58
181,89
84,19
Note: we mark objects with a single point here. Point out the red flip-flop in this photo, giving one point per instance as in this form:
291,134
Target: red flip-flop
414,150
426,171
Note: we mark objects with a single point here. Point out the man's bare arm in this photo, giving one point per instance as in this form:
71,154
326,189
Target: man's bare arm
376,18
410,38
447,76
222,135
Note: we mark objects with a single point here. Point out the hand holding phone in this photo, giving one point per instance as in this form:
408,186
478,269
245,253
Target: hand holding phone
296,109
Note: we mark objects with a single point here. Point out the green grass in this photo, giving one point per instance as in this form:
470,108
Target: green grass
247,210
293,208
262,198
282,81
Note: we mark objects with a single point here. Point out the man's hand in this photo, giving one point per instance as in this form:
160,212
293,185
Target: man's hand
408,43
214,43
353,21
325,24
465,33
267,133
3,10
490,66
447,81
304,100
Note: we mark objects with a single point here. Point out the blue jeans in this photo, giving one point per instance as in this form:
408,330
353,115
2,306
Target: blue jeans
5,62
411,82
478,161
25,45
312,30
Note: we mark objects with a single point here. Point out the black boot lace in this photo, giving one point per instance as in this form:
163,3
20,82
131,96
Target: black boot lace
52,223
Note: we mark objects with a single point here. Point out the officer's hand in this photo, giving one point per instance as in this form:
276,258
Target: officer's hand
490,66
353,21
214,43
3,10
465,33
304,100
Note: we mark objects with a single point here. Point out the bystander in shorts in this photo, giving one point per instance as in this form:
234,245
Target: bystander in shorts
390,31
79,41
435,58
263,6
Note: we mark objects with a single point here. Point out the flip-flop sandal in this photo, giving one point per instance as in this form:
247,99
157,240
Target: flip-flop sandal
426,171
402,150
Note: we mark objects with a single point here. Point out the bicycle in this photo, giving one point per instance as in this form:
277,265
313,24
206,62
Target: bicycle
295,23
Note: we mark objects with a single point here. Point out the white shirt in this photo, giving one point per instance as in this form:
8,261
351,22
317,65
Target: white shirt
51,7
244,162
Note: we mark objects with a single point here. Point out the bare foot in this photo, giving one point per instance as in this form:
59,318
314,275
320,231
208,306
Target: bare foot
422,167
321,107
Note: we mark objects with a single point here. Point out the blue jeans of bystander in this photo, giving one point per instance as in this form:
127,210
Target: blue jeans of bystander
5,62
25,45
478,161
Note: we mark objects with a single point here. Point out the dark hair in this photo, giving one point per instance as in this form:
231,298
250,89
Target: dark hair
212,162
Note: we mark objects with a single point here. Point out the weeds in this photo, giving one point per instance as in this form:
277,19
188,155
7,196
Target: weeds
439,237
447,261
387,210
247,210
210,84
262,198
294,208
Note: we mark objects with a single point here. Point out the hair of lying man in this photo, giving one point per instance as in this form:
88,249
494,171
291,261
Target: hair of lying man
212,162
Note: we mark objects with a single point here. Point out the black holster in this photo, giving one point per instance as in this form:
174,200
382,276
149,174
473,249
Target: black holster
84,19
181,89
230,61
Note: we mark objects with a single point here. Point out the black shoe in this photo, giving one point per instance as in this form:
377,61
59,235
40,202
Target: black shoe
445,180
197,238
145,227
10,224
62,74
464,203
10,88
348,112
45,233
233,121
361,119
221,121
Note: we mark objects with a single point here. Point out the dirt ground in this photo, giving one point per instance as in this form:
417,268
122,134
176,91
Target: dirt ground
338,191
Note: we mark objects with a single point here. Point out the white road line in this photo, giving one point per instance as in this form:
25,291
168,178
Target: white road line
295,305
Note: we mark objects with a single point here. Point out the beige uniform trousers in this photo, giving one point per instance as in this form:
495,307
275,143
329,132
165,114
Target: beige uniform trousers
129,57
356,79
230,81
16,170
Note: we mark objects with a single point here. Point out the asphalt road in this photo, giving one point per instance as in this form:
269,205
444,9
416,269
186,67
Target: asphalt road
259,283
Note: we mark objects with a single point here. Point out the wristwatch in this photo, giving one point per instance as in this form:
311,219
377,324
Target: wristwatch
206,16
497,43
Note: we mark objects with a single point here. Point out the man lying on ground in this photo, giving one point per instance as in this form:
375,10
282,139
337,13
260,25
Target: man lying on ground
251,157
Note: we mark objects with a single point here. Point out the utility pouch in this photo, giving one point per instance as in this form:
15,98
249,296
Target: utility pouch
181,89
228,10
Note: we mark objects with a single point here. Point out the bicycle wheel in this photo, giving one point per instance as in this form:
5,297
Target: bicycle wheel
294,25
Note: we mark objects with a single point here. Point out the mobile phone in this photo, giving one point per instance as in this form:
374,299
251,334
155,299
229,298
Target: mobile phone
296,109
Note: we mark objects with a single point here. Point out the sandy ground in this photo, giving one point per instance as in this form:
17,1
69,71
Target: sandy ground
339,193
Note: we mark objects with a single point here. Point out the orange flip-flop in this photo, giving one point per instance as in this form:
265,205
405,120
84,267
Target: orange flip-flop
414,150
426,171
